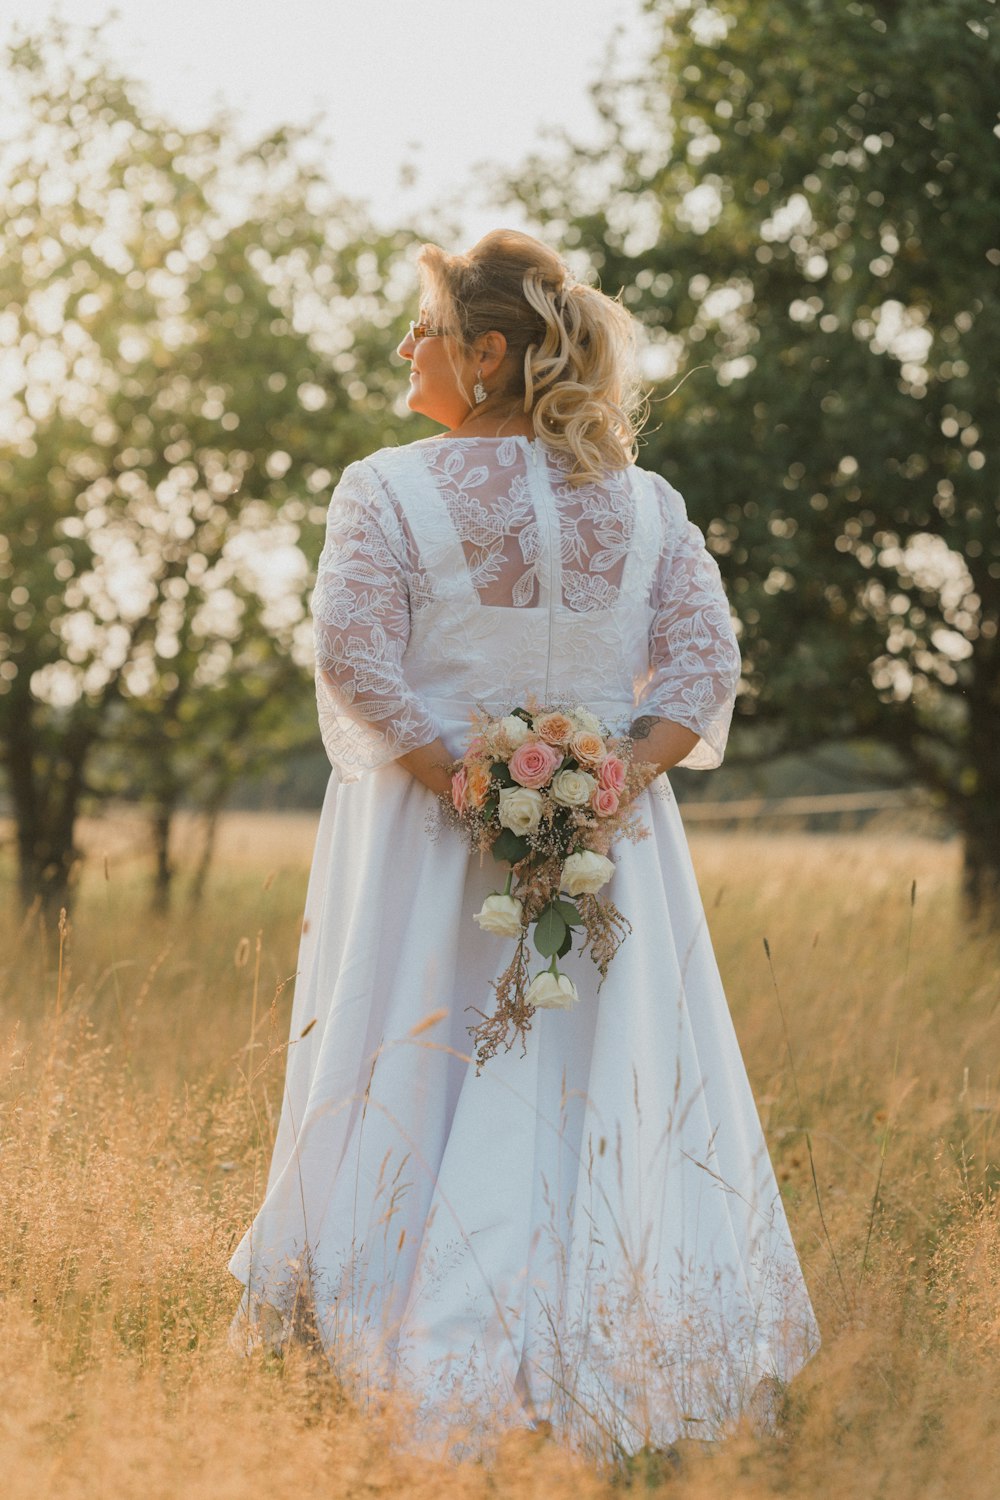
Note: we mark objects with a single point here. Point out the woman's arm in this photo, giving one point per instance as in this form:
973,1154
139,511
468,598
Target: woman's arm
428,763
694,659
661,741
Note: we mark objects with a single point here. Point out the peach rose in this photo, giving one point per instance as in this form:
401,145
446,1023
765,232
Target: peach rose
611,774
604,801
588,748
459,783
478,784
532,764
554,729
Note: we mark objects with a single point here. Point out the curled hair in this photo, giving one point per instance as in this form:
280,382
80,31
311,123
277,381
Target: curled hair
571,350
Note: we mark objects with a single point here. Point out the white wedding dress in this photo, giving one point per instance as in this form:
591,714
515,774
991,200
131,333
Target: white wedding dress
589,1230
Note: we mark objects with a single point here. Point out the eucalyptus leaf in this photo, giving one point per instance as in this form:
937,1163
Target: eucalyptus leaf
550,932
510,847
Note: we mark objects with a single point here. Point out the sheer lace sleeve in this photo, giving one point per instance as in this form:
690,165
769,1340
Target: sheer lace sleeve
693,655
361,623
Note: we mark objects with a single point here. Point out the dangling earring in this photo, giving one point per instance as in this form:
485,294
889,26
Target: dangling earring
479,390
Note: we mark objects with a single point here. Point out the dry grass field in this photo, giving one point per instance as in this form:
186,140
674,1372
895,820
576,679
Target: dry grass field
137,1111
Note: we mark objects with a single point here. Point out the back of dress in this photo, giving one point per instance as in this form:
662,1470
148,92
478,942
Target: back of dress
469,571
591,1228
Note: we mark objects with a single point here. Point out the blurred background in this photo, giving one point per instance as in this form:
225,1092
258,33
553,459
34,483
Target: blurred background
208,228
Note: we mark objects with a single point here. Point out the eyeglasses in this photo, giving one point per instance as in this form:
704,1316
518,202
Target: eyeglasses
424,331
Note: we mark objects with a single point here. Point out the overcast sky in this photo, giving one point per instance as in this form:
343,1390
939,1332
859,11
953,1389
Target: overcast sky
434,85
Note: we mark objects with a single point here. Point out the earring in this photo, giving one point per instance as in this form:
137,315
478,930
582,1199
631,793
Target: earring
479,390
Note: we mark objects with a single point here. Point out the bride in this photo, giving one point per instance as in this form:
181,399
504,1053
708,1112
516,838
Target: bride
588,1233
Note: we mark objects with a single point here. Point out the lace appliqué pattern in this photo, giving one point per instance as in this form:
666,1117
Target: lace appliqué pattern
361,625
693,653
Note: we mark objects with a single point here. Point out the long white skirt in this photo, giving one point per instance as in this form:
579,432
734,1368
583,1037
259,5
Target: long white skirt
590,1232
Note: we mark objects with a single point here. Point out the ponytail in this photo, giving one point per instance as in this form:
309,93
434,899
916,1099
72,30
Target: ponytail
573,347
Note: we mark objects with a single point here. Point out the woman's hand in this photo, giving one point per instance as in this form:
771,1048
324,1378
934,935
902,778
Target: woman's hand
429,764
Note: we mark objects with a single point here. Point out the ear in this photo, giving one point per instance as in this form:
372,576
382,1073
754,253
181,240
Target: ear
490,350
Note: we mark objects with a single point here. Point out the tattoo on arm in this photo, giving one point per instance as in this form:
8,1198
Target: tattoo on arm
641,727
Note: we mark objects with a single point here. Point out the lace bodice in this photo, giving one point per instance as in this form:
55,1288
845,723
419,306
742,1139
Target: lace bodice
468,571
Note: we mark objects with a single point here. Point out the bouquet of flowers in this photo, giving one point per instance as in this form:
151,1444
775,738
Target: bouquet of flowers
547,791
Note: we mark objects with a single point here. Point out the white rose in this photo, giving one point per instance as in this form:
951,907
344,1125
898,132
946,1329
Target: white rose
548,991
583,874
520,809
500,914
515,730
587,720
573,788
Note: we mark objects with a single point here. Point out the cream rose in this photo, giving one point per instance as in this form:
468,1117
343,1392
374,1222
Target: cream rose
548,991
500,914
572,788
583,874
515,730
520,809
586,720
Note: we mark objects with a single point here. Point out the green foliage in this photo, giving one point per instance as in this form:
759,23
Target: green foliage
800,202
509,847
551,931
202,336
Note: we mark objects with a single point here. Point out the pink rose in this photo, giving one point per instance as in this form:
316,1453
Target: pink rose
459,782
604,801
611,774
533,763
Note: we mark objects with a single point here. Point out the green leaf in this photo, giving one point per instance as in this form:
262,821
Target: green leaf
550,932
490,806
569,912
567,944
521,713
499,772
510,847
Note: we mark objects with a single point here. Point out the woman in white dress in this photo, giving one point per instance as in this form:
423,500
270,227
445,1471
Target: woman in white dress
588,1232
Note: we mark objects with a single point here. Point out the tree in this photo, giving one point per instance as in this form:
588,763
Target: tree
200,336
804,195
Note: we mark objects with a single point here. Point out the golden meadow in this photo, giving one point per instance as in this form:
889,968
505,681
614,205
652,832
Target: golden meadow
141,1078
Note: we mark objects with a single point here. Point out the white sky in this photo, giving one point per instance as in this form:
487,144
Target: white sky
438,85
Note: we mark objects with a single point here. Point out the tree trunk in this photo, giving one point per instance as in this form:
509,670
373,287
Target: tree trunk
981,869
210,828
164,871
46,794
981,807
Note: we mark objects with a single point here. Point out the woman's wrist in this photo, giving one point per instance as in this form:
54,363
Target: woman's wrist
429,764
661,741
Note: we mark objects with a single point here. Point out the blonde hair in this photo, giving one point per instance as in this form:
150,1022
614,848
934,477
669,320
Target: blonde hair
574,347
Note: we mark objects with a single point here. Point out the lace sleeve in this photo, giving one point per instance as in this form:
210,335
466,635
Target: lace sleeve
693,655
361,625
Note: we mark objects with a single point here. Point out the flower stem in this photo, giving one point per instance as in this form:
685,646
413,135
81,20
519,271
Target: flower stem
510,877
552,965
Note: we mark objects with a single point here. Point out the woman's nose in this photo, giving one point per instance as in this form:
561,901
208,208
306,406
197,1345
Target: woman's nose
406,346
